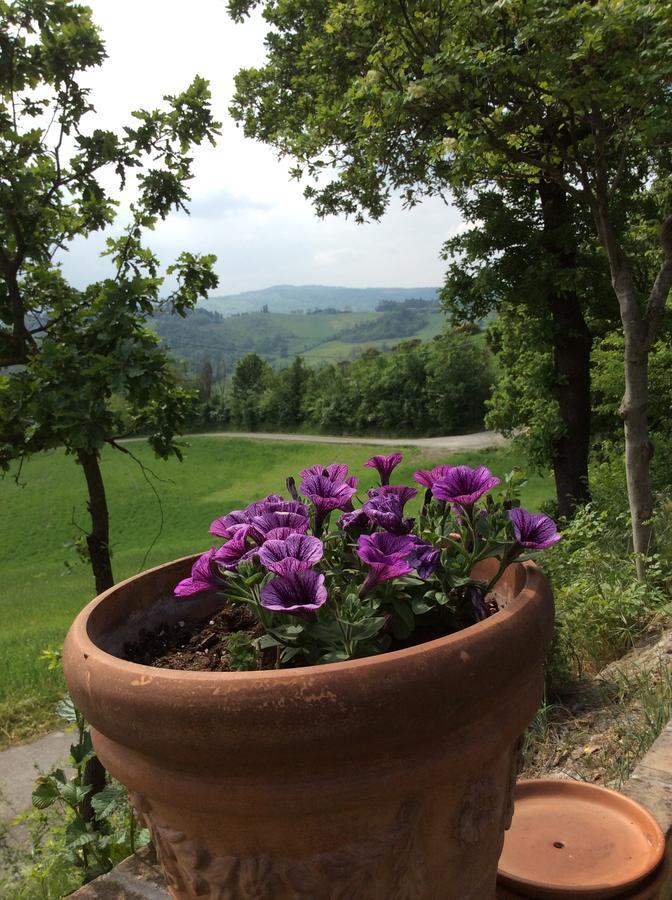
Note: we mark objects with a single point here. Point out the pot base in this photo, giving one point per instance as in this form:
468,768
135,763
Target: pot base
572,839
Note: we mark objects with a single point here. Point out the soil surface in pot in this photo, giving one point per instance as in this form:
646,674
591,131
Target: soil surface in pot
198,645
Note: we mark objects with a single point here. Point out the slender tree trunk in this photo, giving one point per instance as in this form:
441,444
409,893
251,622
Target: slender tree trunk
639,329
638,446
572,343
98,539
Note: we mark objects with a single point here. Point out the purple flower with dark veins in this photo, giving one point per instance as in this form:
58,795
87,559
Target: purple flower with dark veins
386,555
279,534
201,578
424,558
296,592
236,550
535,531
276,504
226,526
295,554
327,494
334,471
397,490
355,519
384,465
267,522
464,485
427,477
387,511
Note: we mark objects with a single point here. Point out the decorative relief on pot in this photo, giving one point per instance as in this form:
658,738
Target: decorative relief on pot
478,810
395,855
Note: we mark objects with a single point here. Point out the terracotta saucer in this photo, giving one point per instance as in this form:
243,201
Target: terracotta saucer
571,839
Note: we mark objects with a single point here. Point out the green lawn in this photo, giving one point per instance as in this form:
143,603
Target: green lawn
43,584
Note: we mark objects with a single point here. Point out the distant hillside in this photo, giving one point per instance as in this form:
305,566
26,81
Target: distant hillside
278,337
288,298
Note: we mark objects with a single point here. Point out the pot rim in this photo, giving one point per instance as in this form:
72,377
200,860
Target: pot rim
535,583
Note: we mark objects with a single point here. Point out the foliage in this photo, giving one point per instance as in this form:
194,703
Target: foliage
602,608
287,394
438,387
529,262
249,381
327,594
69,356
73,842
521,404
608,384
397,323
374,97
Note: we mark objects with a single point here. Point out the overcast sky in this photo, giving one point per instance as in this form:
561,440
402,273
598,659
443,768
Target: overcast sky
244,208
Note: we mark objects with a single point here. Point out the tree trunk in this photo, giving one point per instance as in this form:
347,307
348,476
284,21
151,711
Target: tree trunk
639,332
572,344
638,446
98,539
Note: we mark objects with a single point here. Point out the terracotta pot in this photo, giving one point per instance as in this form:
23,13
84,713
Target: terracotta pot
385,778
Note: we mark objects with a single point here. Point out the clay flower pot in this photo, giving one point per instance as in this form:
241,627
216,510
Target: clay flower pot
385,778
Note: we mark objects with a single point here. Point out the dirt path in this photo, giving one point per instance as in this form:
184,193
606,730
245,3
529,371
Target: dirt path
454,443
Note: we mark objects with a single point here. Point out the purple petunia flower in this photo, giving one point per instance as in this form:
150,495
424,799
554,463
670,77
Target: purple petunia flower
279,534
424,558
226,526
398,490
271,521
355,519
296,554
535,531
386,555
327,494
387,511
384,465
427,477
271,505
296,592
464,485
334,471
236,550
202,577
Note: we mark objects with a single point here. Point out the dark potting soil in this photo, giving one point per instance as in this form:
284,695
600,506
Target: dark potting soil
200,645
197,645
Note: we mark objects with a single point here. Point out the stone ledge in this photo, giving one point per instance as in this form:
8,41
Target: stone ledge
139,877
136,878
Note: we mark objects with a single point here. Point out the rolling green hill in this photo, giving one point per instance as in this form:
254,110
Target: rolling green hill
288,298
279,337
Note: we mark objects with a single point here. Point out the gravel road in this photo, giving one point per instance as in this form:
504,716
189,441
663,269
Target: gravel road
453,443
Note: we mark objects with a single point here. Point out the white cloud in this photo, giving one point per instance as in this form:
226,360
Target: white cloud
245,207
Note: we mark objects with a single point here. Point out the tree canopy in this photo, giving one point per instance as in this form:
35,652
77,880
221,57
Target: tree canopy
435,95
66,353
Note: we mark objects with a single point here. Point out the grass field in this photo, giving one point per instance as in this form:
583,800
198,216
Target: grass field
43,585
336,349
